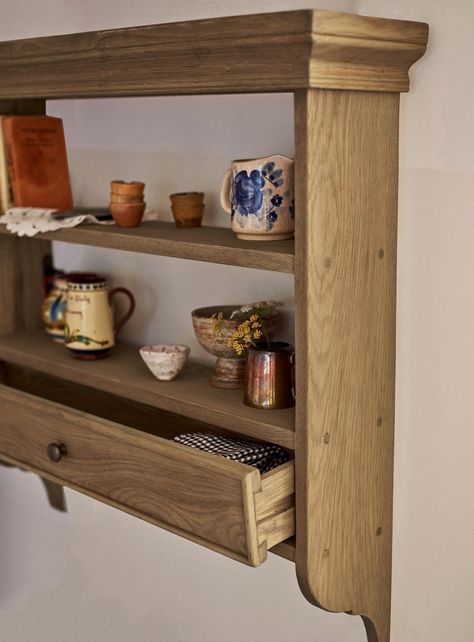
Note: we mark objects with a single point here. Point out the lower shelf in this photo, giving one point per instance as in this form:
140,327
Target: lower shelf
221,504
124,374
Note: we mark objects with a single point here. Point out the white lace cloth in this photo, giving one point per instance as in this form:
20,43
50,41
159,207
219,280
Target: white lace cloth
28,221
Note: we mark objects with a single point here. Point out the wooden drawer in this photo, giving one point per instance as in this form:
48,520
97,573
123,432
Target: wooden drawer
224,505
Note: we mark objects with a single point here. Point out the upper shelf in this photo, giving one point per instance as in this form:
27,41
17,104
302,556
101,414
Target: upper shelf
272,52
211,244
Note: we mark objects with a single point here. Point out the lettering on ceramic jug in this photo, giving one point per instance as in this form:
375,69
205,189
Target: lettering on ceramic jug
81,298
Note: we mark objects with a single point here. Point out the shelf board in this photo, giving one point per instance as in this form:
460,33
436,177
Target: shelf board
219,55
211,244
124,374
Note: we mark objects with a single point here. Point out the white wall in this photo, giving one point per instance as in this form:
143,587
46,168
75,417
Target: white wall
99,575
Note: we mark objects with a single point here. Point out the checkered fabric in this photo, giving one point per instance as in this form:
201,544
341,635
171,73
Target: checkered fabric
262,456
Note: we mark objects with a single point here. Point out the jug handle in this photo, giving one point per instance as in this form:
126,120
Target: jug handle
225,192
121,322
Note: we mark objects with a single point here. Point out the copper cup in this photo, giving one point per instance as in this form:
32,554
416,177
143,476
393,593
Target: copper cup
269,376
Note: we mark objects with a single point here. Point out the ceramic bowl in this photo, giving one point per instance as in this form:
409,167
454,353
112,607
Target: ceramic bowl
229,369
165,360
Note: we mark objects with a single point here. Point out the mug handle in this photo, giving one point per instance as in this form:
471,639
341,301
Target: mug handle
121,322
225,192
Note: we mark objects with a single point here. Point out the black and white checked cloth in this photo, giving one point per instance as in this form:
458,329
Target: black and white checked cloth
262,456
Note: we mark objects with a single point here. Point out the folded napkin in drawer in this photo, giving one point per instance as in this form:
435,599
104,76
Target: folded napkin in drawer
262,456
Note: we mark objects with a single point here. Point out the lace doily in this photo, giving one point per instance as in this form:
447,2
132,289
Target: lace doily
28,221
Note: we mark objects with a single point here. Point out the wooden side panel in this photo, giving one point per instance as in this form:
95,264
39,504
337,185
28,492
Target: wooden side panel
21,259
345,276
21,274
21,278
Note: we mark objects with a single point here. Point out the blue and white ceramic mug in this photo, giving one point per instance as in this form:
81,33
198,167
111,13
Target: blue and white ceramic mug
259,195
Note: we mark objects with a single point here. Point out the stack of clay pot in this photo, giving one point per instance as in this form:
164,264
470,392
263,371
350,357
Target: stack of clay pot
126,203
187,208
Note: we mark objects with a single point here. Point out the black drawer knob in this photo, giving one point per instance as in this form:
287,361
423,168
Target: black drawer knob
56,452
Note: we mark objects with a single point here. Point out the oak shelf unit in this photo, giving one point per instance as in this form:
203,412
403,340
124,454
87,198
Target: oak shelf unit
330,508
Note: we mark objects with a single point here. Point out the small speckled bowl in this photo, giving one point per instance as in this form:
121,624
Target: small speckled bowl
165,360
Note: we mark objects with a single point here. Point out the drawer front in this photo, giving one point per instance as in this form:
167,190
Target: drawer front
222,504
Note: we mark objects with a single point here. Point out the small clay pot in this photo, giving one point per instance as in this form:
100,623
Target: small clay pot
188,216
126,198
134,188
187,198
127,214
187,208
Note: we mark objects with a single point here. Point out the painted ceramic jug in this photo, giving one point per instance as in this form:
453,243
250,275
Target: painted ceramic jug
90,331
54,307
259,195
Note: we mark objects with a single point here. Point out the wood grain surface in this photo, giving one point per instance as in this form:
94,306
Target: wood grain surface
210,244
220,55
345,279
196,492
124,374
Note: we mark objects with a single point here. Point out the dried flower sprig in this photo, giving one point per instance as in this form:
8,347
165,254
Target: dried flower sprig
248,332
251,330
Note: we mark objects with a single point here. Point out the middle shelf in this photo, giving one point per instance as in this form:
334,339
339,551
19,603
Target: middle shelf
124,374
209,244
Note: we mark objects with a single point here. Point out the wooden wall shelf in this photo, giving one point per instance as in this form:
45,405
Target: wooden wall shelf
346,73
211,244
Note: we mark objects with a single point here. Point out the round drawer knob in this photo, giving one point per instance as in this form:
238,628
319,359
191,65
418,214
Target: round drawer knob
56,452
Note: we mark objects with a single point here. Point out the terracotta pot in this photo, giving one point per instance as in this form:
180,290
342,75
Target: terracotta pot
188,216
127,214
134,188
187,208
187,198
126,198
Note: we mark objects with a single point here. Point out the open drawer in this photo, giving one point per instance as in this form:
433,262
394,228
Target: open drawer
221,504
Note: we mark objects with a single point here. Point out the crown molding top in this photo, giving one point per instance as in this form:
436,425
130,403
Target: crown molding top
273,52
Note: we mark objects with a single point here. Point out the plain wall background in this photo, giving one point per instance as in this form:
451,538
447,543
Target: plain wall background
96,575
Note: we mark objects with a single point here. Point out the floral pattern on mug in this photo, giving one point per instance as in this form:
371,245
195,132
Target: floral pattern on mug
247,193
259,196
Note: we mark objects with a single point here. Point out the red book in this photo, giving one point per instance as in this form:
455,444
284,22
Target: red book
37,161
